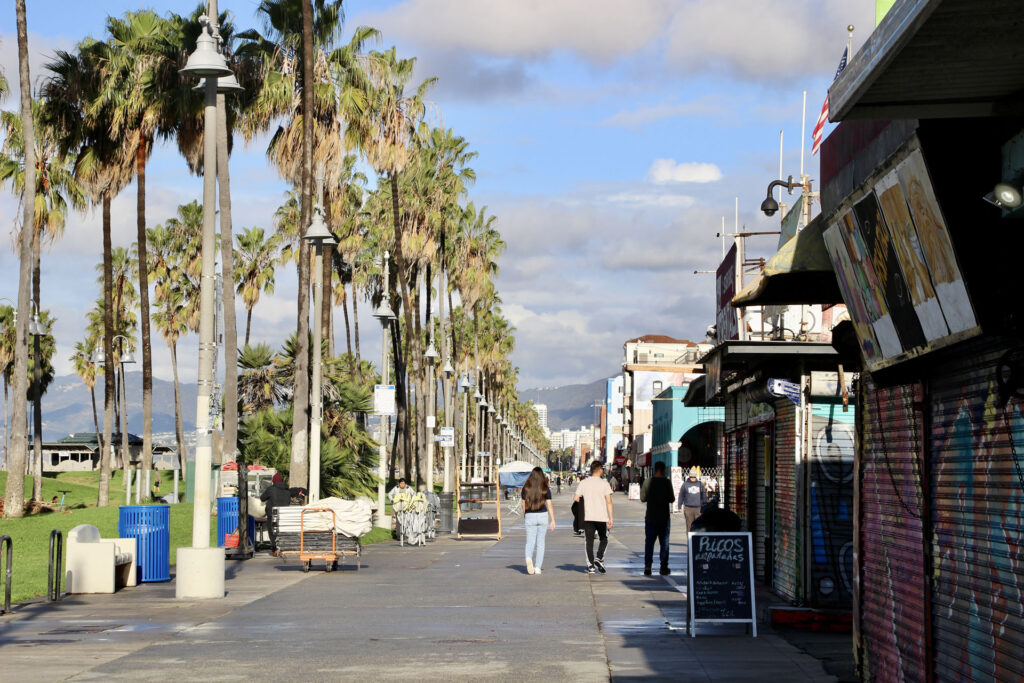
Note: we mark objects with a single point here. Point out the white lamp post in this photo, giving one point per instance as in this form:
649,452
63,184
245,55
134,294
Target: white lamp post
385,315
318,234
200,567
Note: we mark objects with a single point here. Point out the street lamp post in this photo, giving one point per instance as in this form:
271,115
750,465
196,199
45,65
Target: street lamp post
200,567
99,358
431,357
385,315
318,234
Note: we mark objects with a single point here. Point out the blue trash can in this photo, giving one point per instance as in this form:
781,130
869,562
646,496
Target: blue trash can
150,526
227,519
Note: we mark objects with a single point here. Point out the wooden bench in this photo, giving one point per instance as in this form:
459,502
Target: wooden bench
99,565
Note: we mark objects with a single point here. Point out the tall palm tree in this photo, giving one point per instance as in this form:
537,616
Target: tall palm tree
86,370
103,168
56,188
6,366
298,89
256,259
15,492
172,319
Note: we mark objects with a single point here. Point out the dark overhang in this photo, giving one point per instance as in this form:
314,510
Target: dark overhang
936,59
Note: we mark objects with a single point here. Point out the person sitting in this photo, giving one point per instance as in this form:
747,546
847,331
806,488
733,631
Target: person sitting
276,495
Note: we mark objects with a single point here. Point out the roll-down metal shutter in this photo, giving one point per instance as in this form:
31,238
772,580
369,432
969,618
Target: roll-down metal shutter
787,526
977,472
890,642
736,445
830,457
760,509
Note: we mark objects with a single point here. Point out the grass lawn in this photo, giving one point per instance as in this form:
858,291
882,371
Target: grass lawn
31,535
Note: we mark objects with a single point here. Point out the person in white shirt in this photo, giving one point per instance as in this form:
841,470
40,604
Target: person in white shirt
597,517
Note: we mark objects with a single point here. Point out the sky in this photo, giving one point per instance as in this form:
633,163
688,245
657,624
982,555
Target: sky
612,139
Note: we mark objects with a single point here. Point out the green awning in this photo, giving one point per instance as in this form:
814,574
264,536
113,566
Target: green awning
799,273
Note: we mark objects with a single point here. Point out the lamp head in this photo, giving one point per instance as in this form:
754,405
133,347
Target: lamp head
205,60
98,357
431,353
36,327
383,312
317,230
1007,196
128,357
464,383
225,85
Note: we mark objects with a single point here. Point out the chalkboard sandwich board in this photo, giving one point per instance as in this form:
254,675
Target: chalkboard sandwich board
721,578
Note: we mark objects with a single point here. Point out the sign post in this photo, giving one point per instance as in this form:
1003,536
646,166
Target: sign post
721,572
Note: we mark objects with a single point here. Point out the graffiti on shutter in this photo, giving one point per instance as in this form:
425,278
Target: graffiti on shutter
890,643
787,525
736,446
758,500
977,444
831,443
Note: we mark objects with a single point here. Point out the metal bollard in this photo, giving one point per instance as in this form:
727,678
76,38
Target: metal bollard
6,541
56,565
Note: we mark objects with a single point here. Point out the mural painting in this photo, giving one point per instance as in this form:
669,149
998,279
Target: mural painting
832,473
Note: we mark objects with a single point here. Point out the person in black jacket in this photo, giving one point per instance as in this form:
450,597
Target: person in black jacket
657,493
276,495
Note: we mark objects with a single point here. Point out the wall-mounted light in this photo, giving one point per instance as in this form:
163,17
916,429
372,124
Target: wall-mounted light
769,206
1005,196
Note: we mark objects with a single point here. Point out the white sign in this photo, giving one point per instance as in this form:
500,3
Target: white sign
677,480
634,491
431,421
384,399
446,439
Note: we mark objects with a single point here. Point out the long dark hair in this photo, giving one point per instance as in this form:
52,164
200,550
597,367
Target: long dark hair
535,490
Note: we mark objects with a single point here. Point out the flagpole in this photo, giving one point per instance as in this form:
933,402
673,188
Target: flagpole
849,42
779,188
803,134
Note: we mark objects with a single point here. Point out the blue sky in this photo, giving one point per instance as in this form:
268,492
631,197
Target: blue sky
612,138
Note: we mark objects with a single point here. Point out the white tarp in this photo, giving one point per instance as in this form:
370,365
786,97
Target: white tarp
351,517
516,466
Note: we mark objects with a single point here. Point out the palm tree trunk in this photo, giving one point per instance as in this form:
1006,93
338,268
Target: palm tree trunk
95,415
355,326
248,323
103,497
147,349
325,303
14,495
299,472
179,429
348,334
37,378
7,425
227,260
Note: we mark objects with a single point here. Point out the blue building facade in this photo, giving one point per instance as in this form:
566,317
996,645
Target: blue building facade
683,436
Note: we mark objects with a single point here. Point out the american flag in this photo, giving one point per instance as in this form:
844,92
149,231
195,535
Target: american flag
819,127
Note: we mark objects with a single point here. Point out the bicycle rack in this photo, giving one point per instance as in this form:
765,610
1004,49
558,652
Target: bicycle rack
6,541
56,565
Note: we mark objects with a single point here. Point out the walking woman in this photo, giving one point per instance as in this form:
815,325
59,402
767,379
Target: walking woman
537,511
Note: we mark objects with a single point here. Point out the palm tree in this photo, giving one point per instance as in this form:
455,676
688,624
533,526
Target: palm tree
56,187
256,259
259,386
172,319
15,490
103,168
6,365
298,58
86,370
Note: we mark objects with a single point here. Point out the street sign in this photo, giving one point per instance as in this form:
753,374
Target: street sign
446,439
784,389
620,459
384,399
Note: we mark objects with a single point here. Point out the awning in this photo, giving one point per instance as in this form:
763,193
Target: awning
695,393
799,273
935,59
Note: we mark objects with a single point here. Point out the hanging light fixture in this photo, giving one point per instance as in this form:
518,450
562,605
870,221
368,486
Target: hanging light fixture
383,311
431,353
464,383
35,326
318,230
205,60
448,370
98,357
225,85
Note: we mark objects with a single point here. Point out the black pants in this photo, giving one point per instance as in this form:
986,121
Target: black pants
601,528
656,529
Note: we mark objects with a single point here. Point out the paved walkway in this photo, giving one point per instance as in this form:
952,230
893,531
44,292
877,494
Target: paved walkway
448,610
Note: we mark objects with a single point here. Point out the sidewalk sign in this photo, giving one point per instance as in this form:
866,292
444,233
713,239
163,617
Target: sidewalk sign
677,480
721,574
634,491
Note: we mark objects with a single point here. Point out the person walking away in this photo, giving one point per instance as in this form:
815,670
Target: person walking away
692,497
657,493
537,511
597,518
277,495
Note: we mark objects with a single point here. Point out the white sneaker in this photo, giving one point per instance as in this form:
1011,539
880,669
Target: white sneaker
529,565
537,570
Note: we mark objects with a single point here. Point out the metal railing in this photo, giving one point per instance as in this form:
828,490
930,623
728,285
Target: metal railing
56,565
5,541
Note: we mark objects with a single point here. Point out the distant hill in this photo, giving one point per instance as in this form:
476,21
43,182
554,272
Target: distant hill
67,407
571,406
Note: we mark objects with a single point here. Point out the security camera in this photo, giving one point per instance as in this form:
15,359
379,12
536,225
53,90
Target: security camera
769,207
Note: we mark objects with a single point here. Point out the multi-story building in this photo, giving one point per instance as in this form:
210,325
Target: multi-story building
542,414
613,411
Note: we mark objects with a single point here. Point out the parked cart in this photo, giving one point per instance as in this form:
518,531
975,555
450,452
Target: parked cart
312,533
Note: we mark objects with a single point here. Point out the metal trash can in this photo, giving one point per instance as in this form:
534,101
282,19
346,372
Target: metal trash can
227,519
150,526
447,513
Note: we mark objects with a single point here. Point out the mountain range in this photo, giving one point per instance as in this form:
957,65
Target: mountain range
67,407
570,406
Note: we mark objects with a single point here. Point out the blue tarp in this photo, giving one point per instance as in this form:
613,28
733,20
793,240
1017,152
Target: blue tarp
513,479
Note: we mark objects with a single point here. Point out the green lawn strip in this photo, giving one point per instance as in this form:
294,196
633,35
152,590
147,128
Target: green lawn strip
83,487
31,538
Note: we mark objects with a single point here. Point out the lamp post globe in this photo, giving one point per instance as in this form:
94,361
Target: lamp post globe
205,60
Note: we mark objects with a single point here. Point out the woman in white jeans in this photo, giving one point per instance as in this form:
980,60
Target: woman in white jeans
537,510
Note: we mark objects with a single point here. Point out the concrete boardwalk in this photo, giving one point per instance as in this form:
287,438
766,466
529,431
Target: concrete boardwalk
448,610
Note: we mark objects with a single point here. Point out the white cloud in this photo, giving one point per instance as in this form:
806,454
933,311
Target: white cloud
703,107
651,199
598,30
664,171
